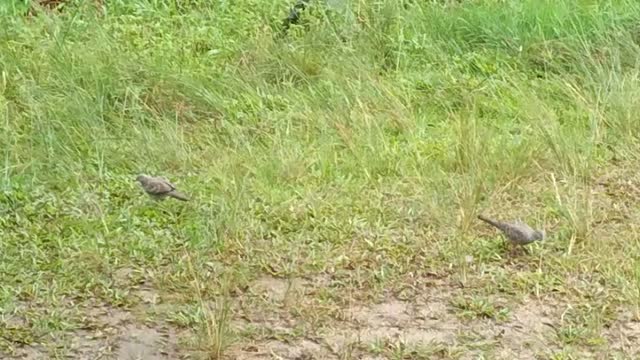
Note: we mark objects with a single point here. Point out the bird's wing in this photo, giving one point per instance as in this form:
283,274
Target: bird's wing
167,182
520,231
523,226
159,187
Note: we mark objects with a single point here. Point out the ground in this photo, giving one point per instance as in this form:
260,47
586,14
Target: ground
429,324
335,173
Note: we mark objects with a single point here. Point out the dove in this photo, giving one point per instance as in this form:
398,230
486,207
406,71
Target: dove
517,232
159,188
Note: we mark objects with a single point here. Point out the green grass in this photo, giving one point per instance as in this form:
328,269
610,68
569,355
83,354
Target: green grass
359,147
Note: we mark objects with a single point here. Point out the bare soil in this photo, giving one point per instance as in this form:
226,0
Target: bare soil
427,327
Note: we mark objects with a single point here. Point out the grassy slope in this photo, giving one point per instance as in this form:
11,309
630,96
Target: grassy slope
362,148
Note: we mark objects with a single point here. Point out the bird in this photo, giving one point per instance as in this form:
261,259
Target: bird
517,233
159,188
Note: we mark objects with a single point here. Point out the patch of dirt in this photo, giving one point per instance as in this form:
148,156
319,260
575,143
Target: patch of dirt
299,350
141,342
426,324
624,334
391,313
26,352
134,281
525,335
148,296
428,321
272,288
279,289
394,321
110,333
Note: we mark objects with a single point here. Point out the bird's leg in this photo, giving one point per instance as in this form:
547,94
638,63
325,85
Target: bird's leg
506,246
513,249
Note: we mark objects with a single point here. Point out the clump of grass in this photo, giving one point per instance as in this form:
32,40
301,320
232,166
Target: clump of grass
576,210
477,307
469,157
214,335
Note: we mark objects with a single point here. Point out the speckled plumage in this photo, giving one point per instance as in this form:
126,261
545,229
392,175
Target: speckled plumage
159,188
517,233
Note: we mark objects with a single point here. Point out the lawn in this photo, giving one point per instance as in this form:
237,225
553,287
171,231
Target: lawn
335,172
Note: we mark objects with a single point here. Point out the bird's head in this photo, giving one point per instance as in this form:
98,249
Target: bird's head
141,178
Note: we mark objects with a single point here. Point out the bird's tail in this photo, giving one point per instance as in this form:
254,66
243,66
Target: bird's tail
176,195
491,222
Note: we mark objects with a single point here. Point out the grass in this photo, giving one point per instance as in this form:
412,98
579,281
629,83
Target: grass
214,334
351,155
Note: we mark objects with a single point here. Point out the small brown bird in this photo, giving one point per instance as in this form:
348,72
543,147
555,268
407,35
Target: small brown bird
517,233
159,188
